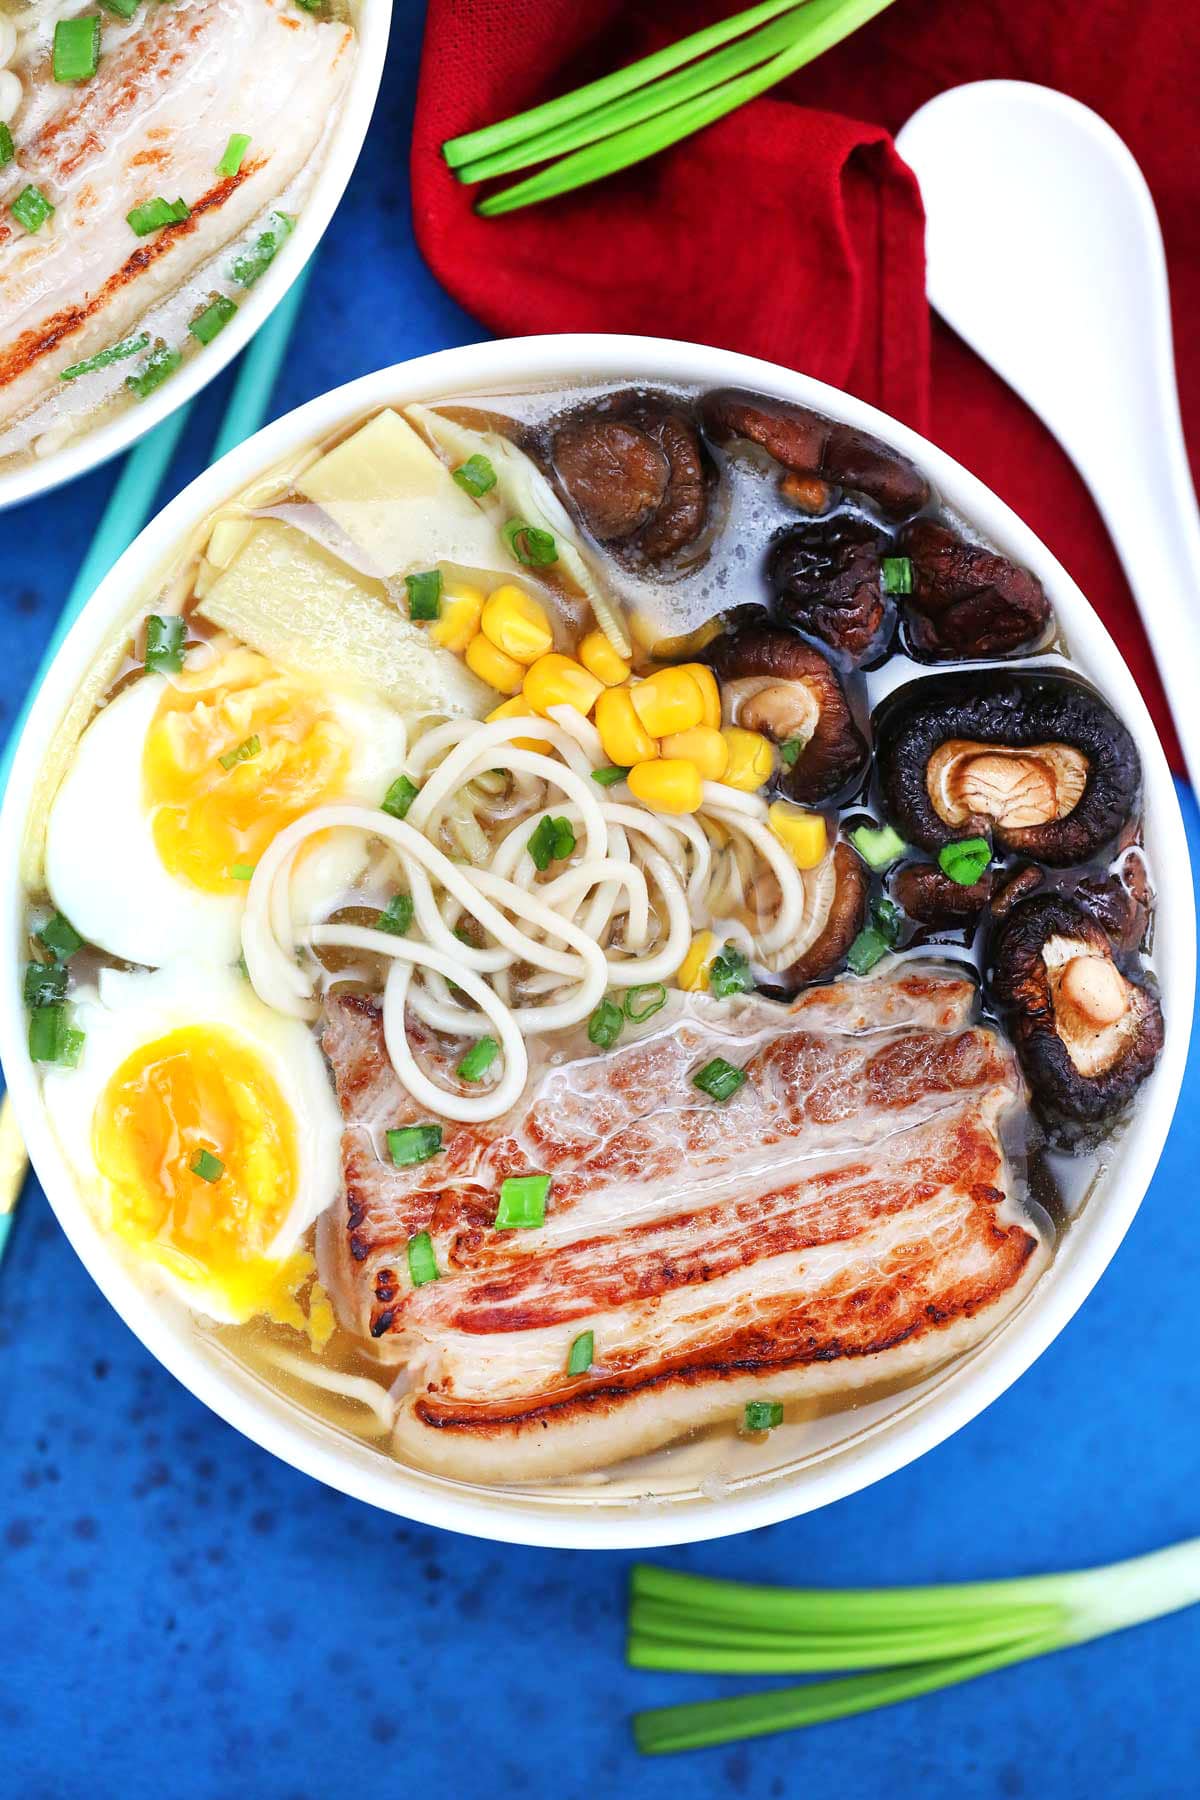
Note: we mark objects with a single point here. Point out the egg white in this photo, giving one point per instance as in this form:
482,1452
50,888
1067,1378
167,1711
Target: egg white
130,1009
102,865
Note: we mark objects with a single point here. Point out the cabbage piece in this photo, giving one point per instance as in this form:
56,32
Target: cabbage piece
523,492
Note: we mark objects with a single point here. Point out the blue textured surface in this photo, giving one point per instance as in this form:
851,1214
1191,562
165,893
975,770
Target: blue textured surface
182,1615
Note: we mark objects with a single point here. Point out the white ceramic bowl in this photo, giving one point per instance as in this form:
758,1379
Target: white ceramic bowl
881,1437
92,448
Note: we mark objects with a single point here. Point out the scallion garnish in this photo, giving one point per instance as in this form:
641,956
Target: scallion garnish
241,871
550,841
7,148
207,1166
164,643
235,151
719,1079
214,318
45,983
161,362
422,1263
897,574
76,54
246,749
522,1202
530,544
476,476
397,915
641,1003
581,1353
479,1059
610,776
605,1025
762,1415
886,915
52,1039
878,845
31,208
114,353
399,797
413,1144
789,751
424,594
965,861
729,973
152,215
60,938
257,260
124,9
869,947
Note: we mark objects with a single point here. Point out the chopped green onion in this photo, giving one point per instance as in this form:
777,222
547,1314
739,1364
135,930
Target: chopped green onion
31,208
424,594
422,1263
101,360
476,476
789,751
530,544
7,148
240,966
152,215
60,938
124,9
762,1415
399,797
242,871
605,1025
550,841
414,1144
258,259
729,973
868,948
878,845
45,983
641,1003
581,1353
159,364
479,1059
397,915
165,635
76,54
610,776
51,1039
886,915
310,6
897,574
207,1166
235,151
719,1079
965,861
246,749
522,1202
205,326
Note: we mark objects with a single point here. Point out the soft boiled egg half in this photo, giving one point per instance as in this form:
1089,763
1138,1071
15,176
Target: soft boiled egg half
180,783
202,1128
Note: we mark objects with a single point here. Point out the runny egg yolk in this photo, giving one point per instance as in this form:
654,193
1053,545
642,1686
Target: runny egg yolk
199,1089
285,751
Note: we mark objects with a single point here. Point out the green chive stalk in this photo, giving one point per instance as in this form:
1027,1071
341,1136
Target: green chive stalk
916,1639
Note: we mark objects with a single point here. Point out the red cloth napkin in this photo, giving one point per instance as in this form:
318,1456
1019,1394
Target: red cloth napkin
793,231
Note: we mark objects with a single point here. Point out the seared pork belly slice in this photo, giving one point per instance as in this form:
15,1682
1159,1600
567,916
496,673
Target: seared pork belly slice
845,1219
155,120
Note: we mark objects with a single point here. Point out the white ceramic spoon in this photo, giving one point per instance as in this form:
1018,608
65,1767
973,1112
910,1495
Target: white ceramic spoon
1045,254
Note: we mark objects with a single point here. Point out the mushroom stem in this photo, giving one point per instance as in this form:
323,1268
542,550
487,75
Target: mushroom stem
1095,990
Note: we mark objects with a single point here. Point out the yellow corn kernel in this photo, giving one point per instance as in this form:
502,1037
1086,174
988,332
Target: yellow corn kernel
601,660
668,785
702,746
692,973
517,624
556,680
625,739
647,634
493,666
669,700
803,834
518,708
710,693
459,619
751,759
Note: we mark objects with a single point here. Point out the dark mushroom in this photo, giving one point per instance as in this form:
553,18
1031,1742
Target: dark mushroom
826,578
967,600
634,469
775,683
1119,901
808,444
1087,1034
931,898
1036,761
1017,886
839,888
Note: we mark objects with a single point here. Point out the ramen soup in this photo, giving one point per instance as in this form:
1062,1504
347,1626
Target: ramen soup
538,940
153,159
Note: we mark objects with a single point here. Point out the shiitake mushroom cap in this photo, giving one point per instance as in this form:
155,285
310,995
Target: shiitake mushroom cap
1022,991
633,468
826,579
931,898
835,756
967,600
1012,710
